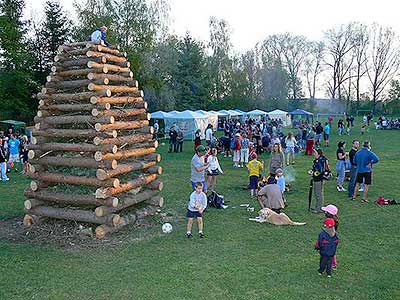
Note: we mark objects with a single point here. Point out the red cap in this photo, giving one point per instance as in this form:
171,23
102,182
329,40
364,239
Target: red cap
329,222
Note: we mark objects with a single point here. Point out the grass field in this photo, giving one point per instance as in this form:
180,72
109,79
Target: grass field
238,259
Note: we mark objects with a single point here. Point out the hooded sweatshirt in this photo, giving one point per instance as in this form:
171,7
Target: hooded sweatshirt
327,242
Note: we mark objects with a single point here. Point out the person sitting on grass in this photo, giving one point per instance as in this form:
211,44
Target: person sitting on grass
326,245
196,207
254,166
270,196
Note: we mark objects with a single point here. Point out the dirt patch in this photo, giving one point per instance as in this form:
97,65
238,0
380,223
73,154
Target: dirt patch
70,235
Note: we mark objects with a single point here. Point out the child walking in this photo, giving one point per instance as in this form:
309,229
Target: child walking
196,207
327,245
280,180
331,211
254,168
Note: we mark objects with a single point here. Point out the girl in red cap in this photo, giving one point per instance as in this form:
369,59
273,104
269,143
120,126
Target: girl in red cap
326,245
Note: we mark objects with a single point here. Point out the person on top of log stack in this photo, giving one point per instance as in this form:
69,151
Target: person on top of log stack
100,34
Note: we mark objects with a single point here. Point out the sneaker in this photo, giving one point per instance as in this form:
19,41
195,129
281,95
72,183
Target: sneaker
343,189
201,235
361,190
339,189
189,235
319,273
329,276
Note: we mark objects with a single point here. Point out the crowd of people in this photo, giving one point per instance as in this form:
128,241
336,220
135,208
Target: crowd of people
13,152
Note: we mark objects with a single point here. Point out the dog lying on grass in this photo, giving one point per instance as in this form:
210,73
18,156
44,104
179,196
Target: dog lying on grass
268,215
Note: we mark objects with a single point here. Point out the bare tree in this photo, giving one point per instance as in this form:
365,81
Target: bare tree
384,57
339,45
313,66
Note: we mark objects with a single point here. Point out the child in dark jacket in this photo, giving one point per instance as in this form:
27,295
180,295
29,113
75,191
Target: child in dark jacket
326,245
331,211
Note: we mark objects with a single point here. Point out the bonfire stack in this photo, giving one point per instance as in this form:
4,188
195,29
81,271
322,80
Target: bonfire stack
92,153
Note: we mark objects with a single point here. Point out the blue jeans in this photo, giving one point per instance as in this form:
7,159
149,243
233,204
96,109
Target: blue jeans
352,182
3,168
340,169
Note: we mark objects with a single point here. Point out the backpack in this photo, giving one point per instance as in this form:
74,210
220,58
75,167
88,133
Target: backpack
215,200
233,143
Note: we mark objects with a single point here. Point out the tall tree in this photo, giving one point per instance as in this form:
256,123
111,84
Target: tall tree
313,66
16,85
384,54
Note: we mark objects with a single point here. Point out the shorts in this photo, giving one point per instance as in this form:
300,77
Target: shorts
13,158
204,186
193,214
326,137
364,177
289,149
253,182
318,137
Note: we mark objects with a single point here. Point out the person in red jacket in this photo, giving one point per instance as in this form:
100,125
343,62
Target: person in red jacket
326,245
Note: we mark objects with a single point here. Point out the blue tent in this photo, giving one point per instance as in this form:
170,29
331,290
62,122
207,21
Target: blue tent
301,112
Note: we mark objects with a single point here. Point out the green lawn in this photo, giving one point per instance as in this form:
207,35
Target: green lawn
238,259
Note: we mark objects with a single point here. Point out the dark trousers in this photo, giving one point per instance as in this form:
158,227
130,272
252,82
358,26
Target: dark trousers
180,146
352,182
172,143
325,262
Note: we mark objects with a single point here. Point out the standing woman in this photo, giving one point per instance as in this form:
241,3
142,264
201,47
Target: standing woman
213,170
340,166
290,142
277,159
244,150
317,173
197,139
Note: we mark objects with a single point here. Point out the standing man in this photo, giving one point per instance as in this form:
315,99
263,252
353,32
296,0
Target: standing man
13,146
318,134
198,168
353,168
172,139
364,160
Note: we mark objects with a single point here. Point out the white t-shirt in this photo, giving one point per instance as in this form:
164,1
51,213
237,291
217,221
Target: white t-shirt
197,201
209,134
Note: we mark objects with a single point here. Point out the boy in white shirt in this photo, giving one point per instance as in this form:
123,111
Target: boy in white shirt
196,207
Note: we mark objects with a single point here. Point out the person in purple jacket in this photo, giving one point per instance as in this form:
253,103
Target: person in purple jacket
364,159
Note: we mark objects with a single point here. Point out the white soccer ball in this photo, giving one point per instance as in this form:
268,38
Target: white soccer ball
167,228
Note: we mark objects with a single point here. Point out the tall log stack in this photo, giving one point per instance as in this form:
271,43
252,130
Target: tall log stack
92,153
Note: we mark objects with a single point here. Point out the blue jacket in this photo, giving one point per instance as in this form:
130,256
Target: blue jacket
326,244
363,158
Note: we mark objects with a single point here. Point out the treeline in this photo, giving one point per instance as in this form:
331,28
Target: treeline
356,63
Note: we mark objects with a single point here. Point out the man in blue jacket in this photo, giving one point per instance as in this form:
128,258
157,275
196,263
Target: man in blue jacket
364,160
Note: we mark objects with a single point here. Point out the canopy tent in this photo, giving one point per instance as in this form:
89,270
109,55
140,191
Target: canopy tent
188,121
234,113
256,114
301,114
223,113
240,111
280,114
159,114
212,118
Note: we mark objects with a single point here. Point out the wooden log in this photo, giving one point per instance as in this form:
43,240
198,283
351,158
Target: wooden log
75,147
125,203
72,133
103,193
81,72
117,100
81,162
156,185
30,220
108,56
129,139
96,65
71,108
120,125
31,203
80,62
102,174
122,113
71,199
153,156
82,96
114,88
75,84
102,230
37,185
58,120
156,201
137,152
146,129
86,44
74,180
113,78
108,50
74,215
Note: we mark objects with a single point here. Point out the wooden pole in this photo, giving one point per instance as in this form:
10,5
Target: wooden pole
73,133
81,162
81,147
120,125
136,152
102,174
117,100
58,120
129,139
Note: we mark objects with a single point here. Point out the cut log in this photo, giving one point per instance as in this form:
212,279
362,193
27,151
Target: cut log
156,201
68,199
65,65
156,185
72,108
146,129
102,230
83,96
58,120
104,193
120,125
96,65
83,147
74,215
109,50
114,78
75,84
117,100
85,44
129,139
125,203
33,220
137,152
81,162
73,133
108,56
81,72
31,203
123,113
74,180
115,89
102,174
37,185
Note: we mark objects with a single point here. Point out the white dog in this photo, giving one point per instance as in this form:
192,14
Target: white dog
268,215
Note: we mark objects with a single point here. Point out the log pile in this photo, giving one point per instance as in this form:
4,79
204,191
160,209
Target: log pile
93,157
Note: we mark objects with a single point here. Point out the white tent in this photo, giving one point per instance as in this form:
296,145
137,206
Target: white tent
256,114
159,114
280,114
188,121
223,113
212,117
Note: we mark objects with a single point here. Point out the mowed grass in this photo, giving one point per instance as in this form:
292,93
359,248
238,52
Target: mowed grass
238,259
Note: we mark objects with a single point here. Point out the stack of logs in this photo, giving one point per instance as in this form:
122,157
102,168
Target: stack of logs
92,121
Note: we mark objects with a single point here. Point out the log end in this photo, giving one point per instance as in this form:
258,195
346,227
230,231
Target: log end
114,164
31,154
95,112
93,100
108,93
28,220
97,126
100,193
101,231
97,140
101,174
116,220
34,185
98,156
114,149
28,204
107,106
116,183
34,141
99,211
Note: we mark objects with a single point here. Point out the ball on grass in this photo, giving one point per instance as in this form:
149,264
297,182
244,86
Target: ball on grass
166,228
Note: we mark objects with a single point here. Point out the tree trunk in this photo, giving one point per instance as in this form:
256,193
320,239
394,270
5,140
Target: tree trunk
120,125
74,147
65,65
94,65
136,152
116,89
108,56
81,72
58,120
80,162
73,133
55,108
82,96
129,139
76,84
102,174
117,100
137,114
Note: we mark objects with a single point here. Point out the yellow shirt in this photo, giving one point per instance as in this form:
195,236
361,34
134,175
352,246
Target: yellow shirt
254,167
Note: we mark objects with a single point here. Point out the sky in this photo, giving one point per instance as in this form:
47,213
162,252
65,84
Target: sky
252,21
